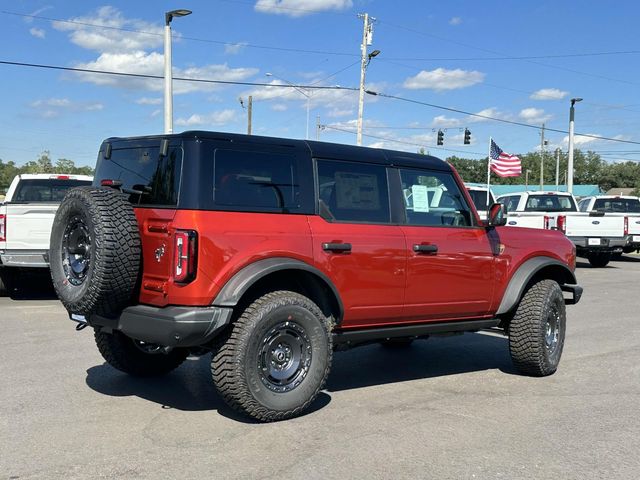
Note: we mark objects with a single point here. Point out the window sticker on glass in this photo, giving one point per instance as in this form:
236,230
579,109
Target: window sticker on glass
420,198
357,191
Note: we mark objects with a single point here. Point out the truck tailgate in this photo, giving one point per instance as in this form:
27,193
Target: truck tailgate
28,226
584,225
527,220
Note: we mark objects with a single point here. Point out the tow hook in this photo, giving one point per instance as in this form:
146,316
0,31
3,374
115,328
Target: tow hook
81,326
80,319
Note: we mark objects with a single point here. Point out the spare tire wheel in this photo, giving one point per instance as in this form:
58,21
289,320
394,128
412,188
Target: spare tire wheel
95,251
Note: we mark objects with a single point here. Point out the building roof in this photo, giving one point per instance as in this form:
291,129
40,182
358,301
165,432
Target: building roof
620,191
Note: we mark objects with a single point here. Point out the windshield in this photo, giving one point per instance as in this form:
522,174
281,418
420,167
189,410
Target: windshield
624,205
480,199
45,190
550,203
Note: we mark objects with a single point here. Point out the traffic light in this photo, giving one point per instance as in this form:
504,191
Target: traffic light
467,136
440,137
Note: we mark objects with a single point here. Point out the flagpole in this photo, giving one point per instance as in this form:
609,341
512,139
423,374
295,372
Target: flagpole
489,172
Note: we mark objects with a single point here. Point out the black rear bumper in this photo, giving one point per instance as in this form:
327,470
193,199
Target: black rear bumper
168,326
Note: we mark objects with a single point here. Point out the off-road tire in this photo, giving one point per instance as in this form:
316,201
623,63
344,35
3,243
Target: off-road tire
122,353
4,289
238,363
532,330
599,260
113,251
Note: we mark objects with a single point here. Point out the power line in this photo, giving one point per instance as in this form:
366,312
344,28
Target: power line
529,57
316,87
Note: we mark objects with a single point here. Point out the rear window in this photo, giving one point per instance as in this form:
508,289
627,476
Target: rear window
147,177
480,199
45,190
623,205
550,203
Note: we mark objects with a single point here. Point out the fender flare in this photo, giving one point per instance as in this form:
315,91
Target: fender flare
237,286
523,275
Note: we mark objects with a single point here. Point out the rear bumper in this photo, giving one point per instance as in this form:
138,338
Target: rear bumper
168,326
598,244
25,258
632,241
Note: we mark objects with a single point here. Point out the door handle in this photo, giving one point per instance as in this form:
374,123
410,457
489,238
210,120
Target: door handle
425,248
336,247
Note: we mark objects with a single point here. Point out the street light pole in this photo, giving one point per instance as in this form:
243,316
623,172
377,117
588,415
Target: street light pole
306,94
570,159
168,77
367,39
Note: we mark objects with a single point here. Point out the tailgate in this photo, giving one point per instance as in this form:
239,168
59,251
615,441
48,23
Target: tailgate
594,226
526,220
28,226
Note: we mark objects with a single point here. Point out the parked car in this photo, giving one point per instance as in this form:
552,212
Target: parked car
26,217
596,236
270,253
627,207
480,199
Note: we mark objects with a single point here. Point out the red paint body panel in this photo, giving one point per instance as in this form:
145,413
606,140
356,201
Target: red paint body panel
370,278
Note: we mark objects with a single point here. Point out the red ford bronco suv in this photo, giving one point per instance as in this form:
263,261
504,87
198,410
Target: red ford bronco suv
272,253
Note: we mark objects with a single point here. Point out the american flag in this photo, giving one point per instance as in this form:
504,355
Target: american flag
504,164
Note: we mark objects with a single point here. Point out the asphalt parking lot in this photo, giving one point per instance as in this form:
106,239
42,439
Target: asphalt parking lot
444,408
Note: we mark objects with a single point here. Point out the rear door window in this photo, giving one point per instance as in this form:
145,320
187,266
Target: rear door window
353,192
620,205
146,176
550,203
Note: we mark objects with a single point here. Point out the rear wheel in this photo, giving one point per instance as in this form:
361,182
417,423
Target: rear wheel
275,358
599,260
136,357
6,281
536,332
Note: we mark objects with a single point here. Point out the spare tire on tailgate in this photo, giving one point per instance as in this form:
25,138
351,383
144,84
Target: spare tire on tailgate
95,251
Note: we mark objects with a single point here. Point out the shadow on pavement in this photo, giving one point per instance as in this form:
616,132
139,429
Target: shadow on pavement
435,357
190,387
32,285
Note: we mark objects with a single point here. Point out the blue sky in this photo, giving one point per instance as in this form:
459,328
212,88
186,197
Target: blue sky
456,54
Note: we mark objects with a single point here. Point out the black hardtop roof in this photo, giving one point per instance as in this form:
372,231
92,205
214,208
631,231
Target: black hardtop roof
317,149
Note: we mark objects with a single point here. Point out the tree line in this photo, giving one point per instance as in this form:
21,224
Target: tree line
43,164
589,169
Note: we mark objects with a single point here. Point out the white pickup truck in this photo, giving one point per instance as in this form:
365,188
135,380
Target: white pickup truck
478,194
627,207
596,235
26,217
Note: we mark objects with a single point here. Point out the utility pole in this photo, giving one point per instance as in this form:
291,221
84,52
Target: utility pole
318,127
249,114
542,159
557,168
570,153
367,38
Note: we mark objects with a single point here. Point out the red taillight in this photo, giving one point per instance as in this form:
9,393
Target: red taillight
626,225
60,177
185,261
561,223
110,183
3,228
546,222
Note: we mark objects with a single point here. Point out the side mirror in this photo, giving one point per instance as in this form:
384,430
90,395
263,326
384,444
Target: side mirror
497,216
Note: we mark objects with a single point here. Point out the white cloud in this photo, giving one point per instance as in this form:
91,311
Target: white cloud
579,140
152,63
279,107
533,115
444,121
299,8
149,101
340,112
452,122
118,34
442,79
455,21
549,94
37,32
29,18
235,48
216,119
54,107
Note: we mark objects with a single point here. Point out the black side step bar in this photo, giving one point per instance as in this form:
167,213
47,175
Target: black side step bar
349,338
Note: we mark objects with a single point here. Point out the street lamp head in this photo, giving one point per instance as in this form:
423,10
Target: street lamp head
375,53
575,100
268,74
175,13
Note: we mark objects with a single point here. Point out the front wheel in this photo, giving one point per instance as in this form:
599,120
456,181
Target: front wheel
536,332
275,358
137,358
599,260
